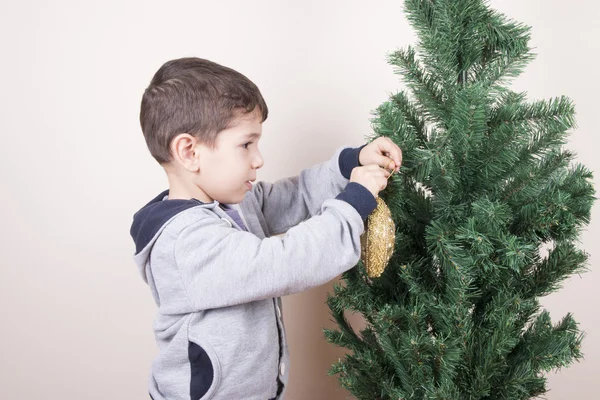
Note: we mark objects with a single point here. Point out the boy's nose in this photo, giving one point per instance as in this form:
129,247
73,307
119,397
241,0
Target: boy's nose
258,161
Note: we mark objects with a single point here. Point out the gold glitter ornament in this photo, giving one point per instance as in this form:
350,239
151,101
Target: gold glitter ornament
377,241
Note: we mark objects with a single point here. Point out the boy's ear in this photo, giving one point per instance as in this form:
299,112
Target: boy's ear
185,152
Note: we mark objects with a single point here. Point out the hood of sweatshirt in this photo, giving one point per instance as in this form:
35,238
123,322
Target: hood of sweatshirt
150,220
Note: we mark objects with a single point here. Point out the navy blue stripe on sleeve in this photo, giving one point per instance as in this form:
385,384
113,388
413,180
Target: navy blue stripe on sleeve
358,197
348,160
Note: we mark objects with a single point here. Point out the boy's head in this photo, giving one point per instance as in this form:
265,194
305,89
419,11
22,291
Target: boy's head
202,122
197,97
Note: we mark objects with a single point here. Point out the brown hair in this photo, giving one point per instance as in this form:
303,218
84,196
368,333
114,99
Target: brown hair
195,96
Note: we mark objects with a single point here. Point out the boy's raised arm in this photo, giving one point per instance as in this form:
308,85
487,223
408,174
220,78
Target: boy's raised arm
289,201
220,266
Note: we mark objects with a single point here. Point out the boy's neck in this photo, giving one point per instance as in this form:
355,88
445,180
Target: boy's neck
182,189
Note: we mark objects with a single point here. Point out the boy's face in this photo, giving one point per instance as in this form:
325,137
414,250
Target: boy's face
227,170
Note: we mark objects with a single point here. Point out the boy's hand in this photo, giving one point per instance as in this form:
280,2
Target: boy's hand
383,152
373,177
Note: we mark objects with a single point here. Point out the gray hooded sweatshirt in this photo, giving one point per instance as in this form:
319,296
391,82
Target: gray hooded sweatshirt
217,283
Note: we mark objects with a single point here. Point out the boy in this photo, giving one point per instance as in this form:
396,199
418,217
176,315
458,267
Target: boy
206,246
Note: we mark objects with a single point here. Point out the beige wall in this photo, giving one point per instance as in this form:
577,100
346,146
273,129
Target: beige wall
76,317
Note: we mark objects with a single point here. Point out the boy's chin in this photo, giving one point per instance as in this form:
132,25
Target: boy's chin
233,199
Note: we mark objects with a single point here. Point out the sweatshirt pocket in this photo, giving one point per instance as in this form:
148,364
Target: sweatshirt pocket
204,369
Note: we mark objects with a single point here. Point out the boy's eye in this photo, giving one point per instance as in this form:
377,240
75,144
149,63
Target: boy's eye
246,145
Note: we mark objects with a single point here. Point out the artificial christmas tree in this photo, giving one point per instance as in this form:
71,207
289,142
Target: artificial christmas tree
488,207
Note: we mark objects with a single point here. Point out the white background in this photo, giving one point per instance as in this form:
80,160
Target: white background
76,316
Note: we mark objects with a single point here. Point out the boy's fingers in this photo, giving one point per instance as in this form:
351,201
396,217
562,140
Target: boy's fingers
383,184
378,169
372,167
398,157
385,162
391,149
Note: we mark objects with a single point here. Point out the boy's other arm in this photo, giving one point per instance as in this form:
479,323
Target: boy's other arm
222,266
287,202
